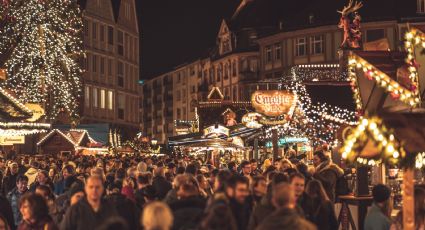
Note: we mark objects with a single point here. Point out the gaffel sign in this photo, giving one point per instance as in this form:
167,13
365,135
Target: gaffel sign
273,103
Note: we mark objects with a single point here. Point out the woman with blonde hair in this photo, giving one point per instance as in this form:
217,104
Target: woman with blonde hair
157,216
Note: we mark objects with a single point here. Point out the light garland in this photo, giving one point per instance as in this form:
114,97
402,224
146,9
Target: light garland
15,101
45,40
24,125
390,149
420,160
20,132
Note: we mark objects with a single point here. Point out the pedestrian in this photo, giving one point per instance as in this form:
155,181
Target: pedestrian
4,224
327,172
157,216
258,188
285,217
246,169
9,181
378,217
304,208
15,195
42,179
91,211
35,213
323,212
218,217
66,181
32,172
237,191
6,213
161,185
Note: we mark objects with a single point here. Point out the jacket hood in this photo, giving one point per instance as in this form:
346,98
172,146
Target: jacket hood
31,171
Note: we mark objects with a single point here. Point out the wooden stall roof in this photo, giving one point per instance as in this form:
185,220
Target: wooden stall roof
386,61
408,128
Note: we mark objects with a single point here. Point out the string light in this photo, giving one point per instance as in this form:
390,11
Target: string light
45,40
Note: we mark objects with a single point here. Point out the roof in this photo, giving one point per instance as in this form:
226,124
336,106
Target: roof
115,6
73,136
386,61
11,109
408,128
215,94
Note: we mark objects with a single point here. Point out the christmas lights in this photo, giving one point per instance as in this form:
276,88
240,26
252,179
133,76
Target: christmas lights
44,43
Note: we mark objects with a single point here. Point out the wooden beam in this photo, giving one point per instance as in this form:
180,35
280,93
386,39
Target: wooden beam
408,200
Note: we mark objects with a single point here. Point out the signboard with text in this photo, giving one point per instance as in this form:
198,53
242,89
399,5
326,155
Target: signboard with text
216,131
273,103
12,140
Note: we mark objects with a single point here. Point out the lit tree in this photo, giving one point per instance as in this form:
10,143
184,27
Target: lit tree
42,41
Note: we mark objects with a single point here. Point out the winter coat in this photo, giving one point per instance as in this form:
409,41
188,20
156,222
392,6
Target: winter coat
162,186
323,214
126,208
260,212
46,224
285,219
187,212
14,197
241,213
81,216
9,182
31,173
6,211
376,219
328,173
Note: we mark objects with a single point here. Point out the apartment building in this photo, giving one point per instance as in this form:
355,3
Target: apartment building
313,36
110,83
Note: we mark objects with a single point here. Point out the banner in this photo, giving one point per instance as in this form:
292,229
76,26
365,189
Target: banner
12,140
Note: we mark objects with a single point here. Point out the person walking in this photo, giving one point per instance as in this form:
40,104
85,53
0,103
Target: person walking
157,216
327,172
35,213
15,195
378,216
323,212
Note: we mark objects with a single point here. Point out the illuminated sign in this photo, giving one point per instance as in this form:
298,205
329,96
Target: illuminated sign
12,140
287,140
273,102
251,120
216,131
37,111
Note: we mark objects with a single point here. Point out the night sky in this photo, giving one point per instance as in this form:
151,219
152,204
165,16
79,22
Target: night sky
175,31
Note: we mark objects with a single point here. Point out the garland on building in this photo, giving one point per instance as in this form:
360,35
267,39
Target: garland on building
42,41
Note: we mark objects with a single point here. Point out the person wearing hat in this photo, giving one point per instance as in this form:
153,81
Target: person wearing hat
378,216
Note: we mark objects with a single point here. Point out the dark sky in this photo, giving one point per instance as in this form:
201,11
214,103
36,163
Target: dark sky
174,31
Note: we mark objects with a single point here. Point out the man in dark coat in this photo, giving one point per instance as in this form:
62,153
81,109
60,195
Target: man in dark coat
126,208
188,209
9,181
15,195
237,192
304,203
327,173
6,211
91,211
286,216
161,185
261,210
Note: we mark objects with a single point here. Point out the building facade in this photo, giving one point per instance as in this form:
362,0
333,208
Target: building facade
264,39
110,82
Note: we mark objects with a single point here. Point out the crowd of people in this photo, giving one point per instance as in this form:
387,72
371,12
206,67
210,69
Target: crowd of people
162,193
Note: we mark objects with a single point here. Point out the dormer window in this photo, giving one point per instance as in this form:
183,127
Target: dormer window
421,6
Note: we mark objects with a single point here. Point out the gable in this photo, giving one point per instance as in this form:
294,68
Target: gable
100,8
215,94
224,39
127,16
56,139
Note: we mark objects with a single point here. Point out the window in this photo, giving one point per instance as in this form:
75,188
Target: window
102,99
102,65
193,90
235,93
421,6
178,95
94,30
300,47
95,103
184,112
86,27
226,71
109,67
120,46
192,71
219,72
178,113
212,75
88,61
234,68
253,65
94,64
317,44
268,54
110,35
102,33
121,106
277,51
184,94
110,100
120,74
375,34
87,96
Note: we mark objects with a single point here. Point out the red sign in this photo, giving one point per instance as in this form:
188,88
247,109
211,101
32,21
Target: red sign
273,102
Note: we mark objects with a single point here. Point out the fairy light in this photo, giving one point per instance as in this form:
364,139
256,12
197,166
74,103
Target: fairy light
43,67
371,128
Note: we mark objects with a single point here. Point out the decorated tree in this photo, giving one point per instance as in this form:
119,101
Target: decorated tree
42,42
